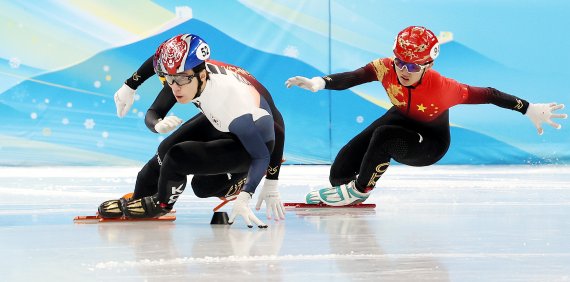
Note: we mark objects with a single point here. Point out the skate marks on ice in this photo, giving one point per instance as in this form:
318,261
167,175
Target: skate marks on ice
456,223
313,242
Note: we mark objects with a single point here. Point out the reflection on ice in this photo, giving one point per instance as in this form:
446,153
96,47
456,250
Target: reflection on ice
464,223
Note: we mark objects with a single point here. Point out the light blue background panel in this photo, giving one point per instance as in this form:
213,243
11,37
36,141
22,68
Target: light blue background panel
56,90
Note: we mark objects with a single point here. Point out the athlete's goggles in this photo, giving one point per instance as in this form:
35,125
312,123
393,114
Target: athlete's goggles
179,79
411,67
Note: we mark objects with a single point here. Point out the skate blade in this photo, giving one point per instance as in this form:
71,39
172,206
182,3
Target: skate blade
89,219
323,206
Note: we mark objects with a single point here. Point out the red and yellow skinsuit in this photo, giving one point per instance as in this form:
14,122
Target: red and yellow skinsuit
415,131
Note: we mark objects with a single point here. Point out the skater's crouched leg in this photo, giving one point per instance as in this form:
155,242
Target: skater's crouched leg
219,185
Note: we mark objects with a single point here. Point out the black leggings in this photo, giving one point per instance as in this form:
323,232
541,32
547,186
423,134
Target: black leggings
393,136
217,160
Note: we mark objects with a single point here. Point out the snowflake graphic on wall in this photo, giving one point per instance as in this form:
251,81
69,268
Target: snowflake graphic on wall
89,123
15,63
291,51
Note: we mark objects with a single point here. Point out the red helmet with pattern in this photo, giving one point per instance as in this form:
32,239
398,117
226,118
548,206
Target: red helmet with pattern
180,53
416,44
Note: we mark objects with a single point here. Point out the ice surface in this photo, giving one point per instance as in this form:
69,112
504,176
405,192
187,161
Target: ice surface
439,223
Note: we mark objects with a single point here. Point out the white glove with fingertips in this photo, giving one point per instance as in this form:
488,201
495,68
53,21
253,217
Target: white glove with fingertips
124,99
314,84
539,113
270,194
241,208
167,124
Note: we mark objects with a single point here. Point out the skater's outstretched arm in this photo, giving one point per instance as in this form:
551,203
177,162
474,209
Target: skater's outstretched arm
537,113
337,81
125,96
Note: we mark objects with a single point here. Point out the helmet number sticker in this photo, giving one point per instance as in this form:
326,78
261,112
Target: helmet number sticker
203,52
434,52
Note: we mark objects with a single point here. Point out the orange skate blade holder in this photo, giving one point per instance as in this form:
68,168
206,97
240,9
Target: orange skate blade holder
97,219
